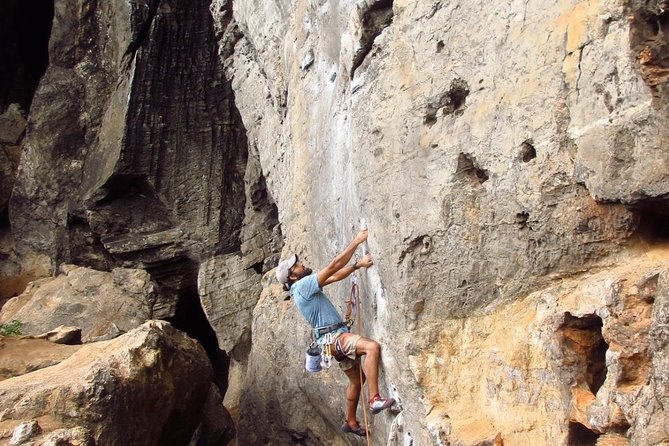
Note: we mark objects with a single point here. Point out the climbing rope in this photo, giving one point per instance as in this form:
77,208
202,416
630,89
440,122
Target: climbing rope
355,304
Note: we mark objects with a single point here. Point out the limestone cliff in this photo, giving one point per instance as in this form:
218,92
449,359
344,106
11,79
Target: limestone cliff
510,161
497,153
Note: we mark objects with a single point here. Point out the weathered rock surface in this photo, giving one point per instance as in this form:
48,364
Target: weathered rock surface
117,175
228,293
97,302
509,159
147,387
493,151
577,351
217,427
22,355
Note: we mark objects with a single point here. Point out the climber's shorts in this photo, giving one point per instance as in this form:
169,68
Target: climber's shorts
345,349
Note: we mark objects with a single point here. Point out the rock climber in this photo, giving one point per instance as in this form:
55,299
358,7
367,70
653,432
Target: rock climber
306,289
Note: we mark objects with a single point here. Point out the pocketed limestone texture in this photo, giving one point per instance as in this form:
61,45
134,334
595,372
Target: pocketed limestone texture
509,159
495,151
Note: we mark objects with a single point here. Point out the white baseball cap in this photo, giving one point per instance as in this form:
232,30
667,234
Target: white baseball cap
283,270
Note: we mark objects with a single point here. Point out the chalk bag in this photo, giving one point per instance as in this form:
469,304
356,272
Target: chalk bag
313,358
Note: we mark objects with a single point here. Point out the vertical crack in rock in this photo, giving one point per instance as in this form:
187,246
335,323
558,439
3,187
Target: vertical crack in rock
579,69
374,16
468,170
25,28
451,102
190,318
142,17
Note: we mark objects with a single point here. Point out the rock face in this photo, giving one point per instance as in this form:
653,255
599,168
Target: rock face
98,303
147,387
115,174
493,151
580,349
510,161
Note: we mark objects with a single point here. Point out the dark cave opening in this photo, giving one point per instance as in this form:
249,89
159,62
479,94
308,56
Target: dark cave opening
190,318
585,349
5,224
653,220
580,435
25,29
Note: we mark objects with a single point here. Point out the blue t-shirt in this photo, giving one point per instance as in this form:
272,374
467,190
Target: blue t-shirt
314,305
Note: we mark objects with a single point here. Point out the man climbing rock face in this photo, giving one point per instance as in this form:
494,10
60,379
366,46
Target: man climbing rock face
306,289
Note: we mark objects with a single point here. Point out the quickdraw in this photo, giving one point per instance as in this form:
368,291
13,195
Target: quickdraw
327,355
352,303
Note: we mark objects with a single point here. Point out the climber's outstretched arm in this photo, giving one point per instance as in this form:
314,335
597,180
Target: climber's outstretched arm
341,260
346,271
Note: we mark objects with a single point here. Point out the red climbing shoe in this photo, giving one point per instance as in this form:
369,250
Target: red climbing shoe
377,404
345,428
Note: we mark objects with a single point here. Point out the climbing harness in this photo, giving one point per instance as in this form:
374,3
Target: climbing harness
320,331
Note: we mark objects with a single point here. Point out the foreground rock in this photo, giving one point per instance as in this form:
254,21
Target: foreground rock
19,356
99,303
147,387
